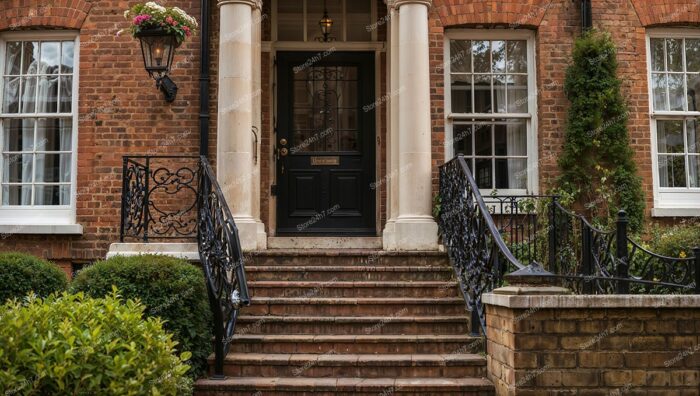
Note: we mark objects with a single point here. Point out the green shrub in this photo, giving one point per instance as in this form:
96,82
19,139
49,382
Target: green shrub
170,288
675,241
21,274
72,344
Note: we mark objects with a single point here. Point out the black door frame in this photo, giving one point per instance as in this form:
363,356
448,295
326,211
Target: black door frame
365,60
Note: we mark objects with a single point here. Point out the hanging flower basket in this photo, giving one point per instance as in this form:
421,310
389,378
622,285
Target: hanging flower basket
152,18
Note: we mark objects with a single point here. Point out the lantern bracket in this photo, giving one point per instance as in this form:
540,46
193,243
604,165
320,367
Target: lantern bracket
167,87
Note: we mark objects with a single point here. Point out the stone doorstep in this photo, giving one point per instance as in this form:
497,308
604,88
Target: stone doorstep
591,301
187,251
348,338
344,359
300,242
352,319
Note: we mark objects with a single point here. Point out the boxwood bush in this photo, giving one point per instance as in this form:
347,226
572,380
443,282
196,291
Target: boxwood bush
72,344
676,241
170,288
21,274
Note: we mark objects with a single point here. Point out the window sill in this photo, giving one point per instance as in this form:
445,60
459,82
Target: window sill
41,229
675,212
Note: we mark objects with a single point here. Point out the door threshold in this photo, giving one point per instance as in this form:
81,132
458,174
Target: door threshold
324,242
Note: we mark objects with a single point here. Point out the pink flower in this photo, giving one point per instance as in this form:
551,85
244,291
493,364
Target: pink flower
187,30
139,19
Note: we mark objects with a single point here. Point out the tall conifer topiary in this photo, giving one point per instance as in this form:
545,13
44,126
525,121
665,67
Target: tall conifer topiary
597,168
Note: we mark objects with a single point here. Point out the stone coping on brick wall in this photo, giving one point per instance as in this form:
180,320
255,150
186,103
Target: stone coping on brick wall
591,301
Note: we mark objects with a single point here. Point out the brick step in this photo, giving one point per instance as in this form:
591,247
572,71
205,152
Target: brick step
436,289
261,386
348,273
345,257
306,343
382,306
337,365
339,325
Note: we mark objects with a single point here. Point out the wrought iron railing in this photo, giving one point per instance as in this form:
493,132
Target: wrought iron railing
178,197
489,236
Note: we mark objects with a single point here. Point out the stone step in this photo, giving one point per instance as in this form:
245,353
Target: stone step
345,257
309,343
435,289
349,273
338,365
381,306
261,386
357,325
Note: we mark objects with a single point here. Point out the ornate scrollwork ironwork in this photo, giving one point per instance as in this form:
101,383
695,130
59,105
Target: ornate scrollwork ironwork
222,260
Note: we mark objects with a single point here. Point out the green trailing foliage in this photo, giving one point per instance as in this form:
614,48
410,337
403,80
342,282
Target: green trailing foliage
170,288
598,172
675,241
21,274
75,345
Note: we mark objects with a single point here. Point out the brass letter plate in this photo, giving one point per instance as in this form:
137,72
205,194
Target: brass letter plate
320,161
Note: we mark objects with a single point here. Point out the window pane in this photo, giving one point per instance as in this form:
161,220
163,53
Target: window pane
460,56
517,56
672,170
511,139
347,119
16,168
52,168
66,101
461,93
483,173
482,94
10,97
50,58
31,55
13,57
694,171
47,100
29,86
18,135
693,131
517,94
51,195
67,57
498,55
16,195
348,141
511,173
289,16
693,92
481,52
54,134
669,136
482,139
659,86
499,93
462,139
657,54
674,54
358,16
676,92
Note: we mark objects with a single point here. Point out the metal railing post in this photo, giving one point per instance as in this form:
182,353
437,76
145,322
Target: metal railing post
125,186
623,287
696,252
586,258
146,198
552,232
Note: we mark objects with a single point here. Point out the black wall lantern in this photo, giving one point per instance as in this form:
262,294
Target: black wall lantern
158,48
326,24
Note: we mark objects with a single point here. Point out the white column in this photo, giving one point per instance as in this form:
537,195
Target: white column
415,228
392,174
236,101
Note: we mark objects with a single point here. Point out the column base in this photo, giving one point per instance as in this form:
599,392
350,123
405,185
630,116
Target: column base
252,234
415,233
389,235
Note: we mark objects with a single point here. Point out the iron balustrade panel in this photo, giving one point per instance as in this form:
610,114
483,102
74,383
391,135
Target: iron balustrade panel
159,198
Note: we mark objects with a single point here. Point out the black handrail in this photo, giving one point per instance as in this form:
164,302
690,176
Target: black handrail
473,242
222,260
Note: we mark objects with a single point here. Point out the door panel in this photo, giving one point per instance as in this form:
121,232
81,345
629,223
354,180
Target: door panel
325,143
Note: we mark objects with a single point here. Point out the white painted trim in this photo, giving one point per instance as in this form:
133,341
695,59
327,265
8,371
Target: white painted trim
365,46
41,229
530,117
51,219
669,202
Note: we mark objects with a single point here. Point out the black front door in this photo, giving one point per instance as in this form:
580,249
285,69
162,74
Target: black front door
325,143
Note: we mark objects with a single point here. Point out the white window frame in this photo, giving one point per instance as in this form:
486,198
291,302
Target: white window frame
46,219
669,201
530,117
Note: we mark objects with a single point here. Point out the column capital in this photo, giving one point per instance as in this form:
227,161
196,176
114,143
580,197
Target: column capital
398,3
254,4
